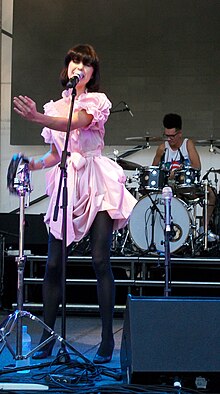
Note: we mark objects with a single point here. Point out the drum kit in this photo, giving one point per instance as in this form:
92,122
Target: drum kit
144,234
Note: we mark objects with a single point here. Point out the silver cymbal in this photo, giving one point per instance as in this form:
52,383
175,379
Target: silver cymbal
208,142
128,165
146,138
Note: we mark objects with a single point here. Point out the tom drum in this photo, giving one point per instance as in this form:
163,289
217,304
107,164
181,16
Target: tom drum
187,179
152,178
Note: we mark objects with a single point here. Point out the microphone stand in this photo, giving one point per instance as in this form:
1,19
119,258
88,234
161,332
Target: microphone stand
167,288
167,234
119,110
64,357
113,111
205,215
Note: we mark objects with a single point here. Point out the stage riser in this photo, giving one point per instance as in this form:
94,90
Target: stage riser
134,275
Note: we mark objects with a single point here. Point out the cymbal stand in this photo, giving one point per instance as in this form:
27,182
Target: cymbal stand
216,180
205,183
125,241
15,320
193,233
22,186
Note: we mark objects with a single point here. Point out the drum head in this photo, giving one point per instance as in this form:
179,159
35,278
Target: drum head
141,223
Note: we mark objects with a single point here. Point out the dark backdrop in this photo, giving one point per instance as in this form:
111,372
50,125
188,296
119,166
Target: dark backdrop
156,55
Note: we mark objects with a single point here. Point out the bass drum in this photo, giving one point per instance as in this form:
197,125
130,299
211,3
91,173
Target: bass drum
141,223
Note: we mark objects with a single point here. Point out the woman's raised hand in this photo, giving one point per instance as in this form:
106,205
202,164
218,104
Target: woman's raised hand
25,107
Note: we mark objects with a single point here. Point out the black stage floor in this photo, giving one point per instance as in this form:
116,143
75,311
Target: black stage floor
142,276
77,373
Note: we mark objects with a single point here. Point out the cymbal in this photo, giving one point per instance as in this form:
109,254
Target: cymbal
208,142
146,138
215,171
128,165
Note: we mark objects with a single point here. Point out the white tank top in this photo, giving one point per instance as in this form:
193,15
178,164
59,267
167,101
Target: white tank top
173,158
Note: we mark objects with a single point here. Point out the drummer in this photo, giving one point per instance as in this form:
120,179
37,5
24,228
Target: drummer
177,152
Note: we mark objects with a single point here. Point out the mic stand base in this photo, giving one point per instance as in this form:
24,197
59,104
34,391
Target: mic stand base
63,356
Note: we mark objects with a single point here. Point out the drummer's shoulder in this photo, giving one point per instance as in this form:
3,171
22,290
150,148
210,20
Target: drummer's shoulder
190,143
161,147
158,154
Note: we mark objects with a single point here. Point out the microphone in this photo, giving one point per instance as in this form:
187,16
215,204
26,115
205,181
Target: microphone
77,76
128,109
167,196
162,159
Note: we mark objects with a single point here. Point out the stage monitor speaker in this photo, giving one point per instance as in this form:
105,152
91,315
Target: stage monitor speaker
166,338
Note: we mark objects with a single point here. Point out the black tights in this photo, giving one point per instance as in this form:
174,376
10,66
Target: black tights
101,239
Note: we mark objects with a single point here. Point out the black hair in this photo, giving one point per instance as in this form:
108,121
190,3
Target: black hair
85,53
171,121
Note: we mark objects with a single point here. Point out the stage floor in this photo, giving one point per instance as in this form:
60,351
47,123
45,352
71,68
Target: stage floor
83,335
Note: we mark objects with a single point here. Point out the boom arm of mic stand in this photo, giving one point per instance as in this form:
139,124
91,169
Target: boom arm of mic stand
118,110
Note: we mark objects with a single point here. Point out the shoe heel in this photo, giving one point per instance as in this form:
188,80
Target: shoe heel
44,352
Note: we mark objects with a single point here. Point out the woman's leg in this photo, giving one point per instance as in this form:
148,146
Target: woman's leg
101,239
52,285
52,290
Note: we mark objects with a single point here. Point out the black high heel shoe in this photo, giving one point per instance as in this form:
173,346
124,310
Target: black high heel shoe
102,359
99,359
45,352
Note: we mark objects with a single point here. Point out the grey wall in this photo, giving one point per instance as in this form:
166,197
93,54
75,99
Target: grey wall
158,56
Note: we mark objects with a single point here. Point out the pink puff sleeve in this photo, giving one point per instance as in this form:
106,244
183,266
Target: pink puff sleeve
96,104
51,110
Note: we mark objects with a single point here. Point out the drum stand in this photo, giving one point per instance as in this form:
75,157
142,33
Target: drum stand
15,320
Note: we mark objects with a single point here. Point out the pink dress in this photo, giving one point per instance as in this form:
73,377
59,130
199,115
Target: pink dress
95,183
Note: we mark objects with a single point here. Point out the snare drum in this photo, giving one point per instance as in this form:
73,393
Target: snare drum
152,178
140,224
187,180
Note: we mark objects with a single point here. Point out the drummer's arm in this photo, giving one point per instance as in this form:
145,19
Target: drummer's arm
48,160
159,153
193,155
